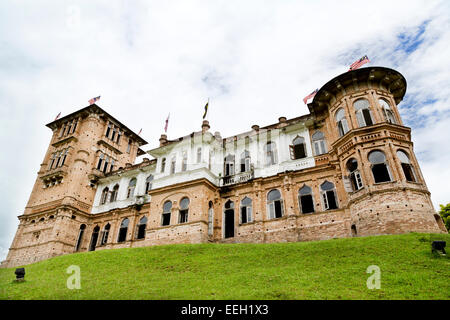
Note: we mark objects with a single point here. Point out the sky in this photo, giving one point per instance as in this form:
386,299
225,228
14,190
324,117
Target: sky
254,60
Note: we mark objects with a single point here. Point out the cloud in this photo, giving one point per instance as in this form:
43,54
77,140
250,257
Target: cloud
255,61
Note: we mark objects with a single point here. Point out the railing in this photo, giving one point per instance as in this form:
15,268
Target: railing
237,178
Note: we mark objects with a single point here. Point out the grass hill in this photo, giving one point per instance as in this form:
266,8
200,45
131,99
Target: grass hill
332,269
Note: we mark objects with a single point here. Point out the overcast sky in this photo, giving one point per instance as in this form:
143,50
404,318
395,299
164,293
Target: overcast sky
255,60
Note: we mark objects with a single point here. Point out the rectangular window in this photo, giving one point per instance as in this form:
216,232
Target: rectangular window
307,203
183,216
129,145
165,219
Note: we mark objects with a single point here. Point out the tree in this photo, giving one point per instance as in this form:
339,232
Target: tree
445,214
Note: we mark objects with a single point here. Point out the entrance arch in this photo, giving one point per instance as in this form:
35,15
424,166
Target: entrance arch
229,219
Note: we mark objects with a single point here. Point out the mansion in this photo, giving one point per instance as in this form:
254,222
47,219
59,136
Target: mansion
346,169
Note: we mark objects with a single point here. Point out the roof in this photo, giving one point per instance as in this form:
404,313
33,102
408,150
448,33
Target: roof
93,108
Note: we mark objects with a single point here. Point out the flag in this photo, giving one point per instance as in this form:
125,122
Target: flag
57,116
92,101
359,63
167,123
309,96
206,109
140,131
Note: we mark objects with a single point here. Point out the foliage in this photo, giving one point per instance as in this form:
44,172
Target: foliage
445,214
329,269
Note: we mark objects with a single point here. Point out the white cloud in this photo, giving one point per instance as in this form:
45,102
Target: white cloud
253,59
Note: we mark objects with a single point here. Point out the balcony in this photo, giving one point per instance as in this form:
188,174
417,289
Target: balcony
237,178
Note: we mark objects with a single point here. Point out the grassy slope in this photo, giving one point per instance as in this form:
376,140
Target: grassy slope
333,269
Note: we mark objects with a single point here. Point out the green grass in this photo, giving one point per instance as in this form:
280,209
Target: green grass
332,269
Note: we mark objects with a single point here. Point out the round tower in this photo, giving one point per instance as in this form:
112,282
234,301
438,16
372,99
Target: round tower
373,151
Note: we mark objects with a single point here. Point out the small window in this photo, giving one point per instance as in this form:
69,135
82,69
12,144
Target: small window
111,168
271,153
104,197
407,167
52,161
298,148
184,162
229,165
363,114
130,143
114,193
163,165
184,210
167,207
318,139
64,156
173,164
246,210
355,176
305,199
199,155
100,161
75,122
380,169
148,183
123,230
274,204
142,225
131,187
245,161
113,134
328,193
108,129
119,135
388,114
105,167
105,234
341,122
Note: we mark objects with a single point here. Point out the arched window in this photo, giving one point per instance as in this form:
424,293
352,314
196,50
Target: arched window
246,210
114,193
274,204
229,165
52,161
407,167
163,165
341,122
105,234
271,153
100,161
318,139
210,219
106,164
131,187
380,169
184,210
363,114
104,197
298,148
111,168
173,163
184,162
94,238
167,207
64,156
245,161
199,155
388,114
108,129
80,237
123,230
142,225
148,183
328,193
305,199
355,176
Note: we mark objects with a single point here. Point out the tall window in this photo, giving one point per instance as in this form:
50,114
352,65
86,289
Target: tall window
119,134
199,155
354,175
130,143
142,225
184,162
123,230
113,134
298,148
341,122
114,193
108,129
105,234
163,165
305,199
111,168
388,114
131,187
167,207
69,126
246,210
64,156
380,169
328,193
104,197
271,153
363,114
407,167
184,210
245,161
210,218
318,140
80,237
173,164
148,183
229,165
100,161
106,164
274,204
75,122
52,161
58,159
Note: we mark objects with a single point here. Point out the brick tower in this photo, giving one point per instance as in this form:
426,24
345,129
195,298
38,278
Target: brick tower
85,145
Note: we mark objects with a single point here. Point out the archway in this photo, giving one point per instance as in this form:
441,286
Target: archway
94,238
229,219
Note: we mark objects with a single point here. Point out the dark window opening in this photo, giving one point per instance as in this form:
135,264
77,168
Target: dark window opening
141,228
123,230
105,234
80,237
94,239
354,232
166,219
229,223
380,173
278,211
331,200
307,203
367,117
407,170
244,215
183,216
